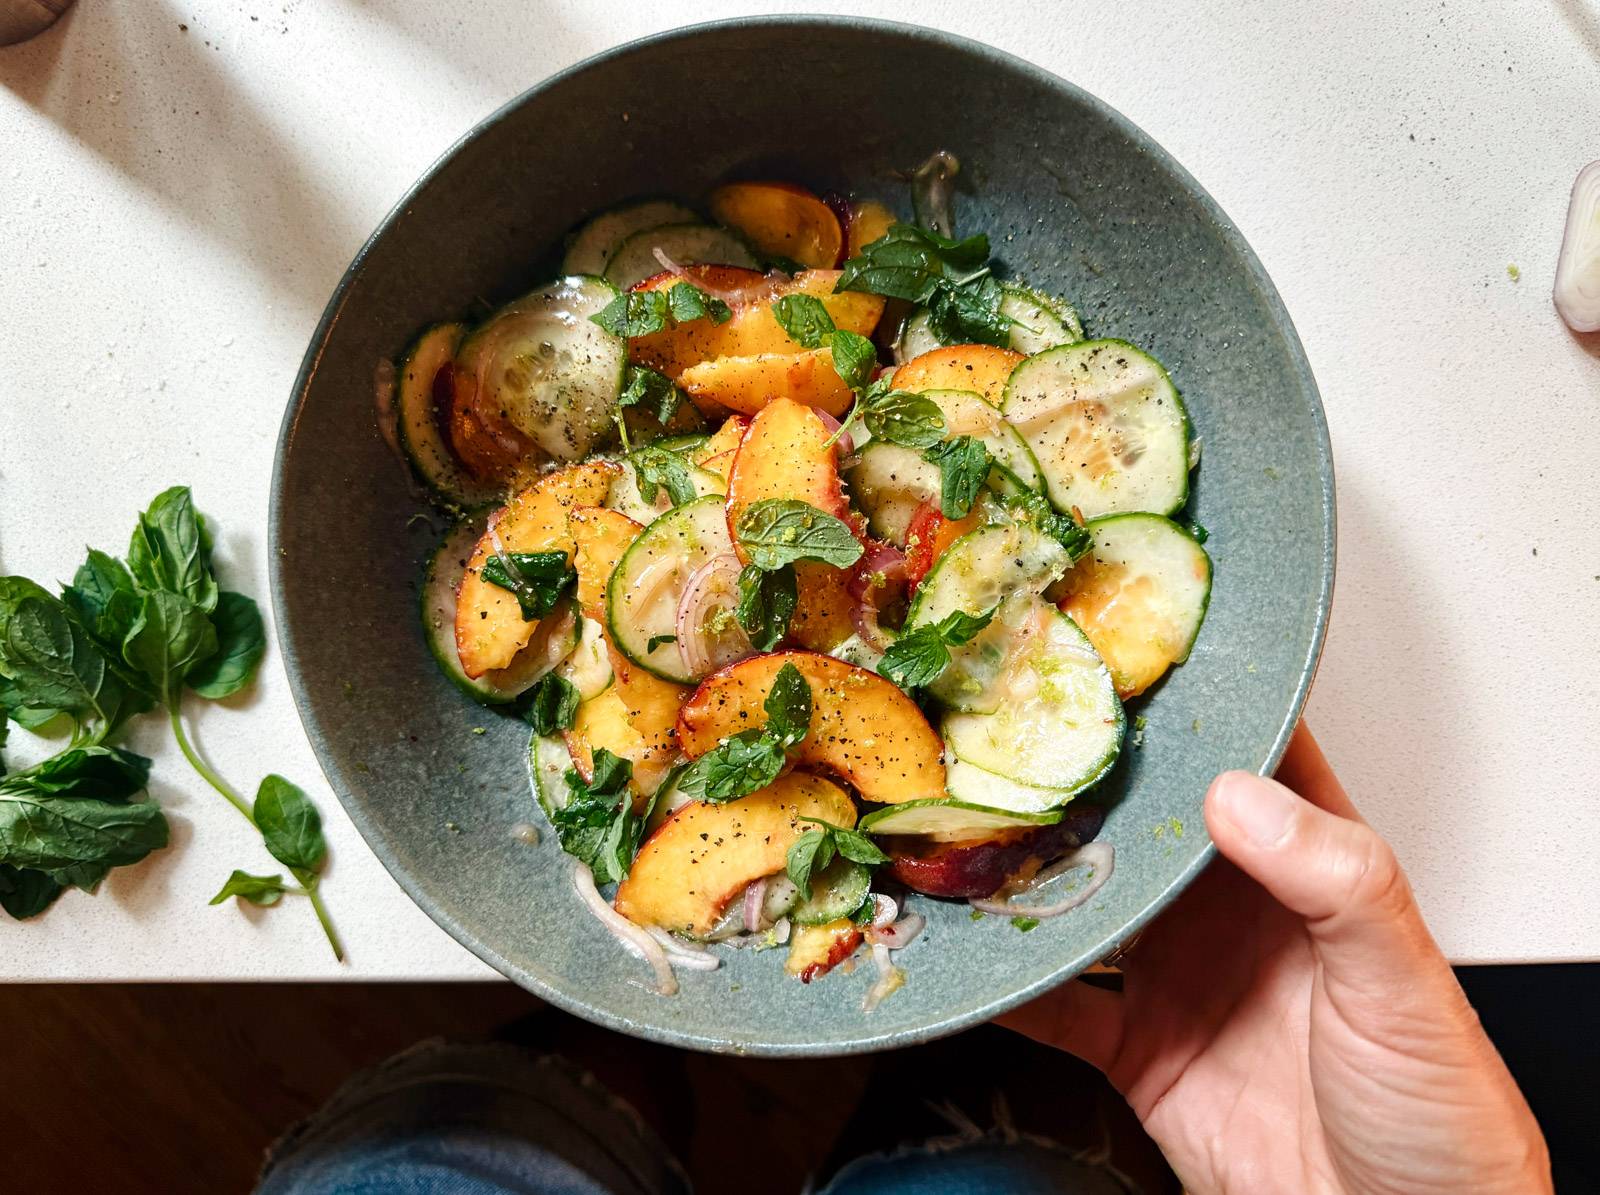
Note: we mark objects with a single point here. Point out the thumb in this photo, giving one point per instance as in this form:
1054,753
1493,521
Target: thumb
1336,872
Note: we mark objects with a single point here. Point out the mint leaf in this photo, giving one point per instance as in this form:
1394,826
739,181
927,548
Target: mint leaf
89,774
767,602
805,318
736,767
687,302
779,531
911,420
290,825
969,313
656,467
788,707
597,825
651,391
258,890
50,663
858,848
1064,529
854,358
170,552
911,263
963,467
103,598
637,313
241,642
809,853
49,832
656,641
958,627
919,657
551,705
538,580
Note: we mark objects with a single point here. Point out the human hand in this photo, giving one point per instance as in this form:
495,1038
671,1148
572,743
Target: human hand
1290,1024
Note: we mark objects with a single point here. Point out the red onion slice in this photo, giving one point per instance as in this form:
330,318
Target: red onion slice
890,978
884,562
754,895
680,952
638,943
899,935
844,446
712,586
1097,855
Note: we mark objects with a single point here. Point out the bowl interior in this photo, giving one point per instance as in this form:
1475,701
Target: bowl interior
1074,199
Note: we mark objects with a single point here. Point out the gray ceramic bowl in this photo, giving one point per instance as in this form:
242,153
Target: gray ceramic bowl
1077,200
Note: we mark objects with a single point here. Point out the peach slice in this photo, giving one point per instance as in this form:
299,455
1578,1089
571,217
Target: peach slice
863,727
704,855
490,629
749,383
869,221
721,443
981,866
980,368
753,330
601,537
781,220
601,722
488,456
816,949
929,536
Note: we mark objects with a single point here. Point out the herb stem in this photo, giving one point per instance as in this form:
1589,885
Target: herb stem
321,910
200,765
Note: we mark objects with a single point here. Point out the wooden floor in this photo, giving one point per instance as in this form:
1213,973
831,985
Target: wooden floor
180,1088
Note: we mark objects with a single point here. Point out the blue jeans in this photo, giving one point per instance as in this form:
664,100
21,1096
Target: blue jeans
495,1120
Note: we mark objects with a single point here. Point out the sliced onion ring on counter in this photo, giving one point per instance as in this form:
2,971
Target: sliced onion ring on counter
714,585
1577,289
638,943
890,978
1098,855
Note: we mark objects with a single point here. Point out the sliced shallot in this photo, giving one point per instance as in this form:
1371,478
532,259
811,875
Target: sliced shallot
1096,855
845,445
684,955
754,897
900,934
633,939
890,978
712,592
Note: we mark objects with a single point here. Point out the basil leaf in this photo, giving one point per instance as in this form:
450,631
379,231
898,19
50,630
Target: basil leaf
801,858
83,876
170,636
611,773
858,848
854,358
767,602
290,825
103,598
779,531
169,551
551,705
963,467
916,659
805,318
969,313
538,580
910,263
258,890
597,825
736,767
49,832
91,773
655,467
911,420
26,892
687,302
651,391
241,642
637,313
788,706
49,663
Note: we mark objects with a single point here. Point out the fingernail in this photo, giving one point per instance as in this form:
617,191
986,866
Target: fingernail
1263,810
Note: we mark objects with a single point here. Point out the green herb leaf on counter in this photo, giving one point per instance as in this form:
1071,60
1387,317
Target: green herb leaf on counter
552,704
257,890
170,636
170,551
963,467
103,597
25,892
290,826
767,601
241,642
538,580
651,391
919,657
50,663
779,531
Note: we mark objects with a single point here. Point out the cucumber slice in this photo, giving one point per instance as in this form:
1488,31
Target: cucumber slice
682,244
951,820
1106,425
624,495
553,639
966,414
889,483
837,891
421,431
1140,596
683,444
588,668
643,594
549,762
594,244
1042,322
973,785
1060,724
856,650
551,370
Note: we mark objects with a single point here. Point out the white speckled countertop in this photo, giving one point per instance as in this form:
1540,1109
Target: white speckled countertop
181,186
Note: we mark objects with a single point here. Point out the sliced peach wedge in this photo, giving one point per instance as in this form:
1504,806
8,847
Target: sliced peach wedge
869,221
785,454
816,949
753,330
863,728
748,384
980,368
781,220
704,855
490,629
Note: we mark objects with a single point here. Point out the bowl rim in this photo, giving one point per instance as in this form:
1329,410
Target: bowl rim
984,1009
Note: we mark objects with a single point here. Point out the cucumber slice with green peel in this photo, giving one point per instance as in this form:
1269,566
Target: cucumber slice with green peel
682,244
1140,596
595,243
966,414
1059,725
683,444
548,369
646,586
553,639
889,482
951,820
625,498
856,650
1041,322
549,762
421,427
588,668
836,891
974,785
1107,426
